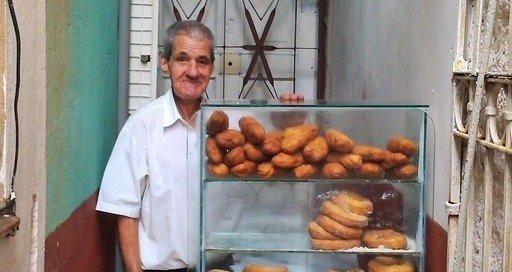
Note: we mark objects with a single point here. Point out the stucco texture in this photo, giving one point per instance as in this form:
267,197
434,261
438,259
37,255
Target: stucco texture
82,52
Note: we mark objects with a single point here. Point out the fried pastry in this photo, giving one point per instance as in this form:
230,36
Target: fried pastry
294,138
213,152
339,141
229,139
370,170
316,150
392,159
305,170
334,170
403,145
369,153
406,171
271,145
235,156
287,161
253,131
244,169
266,170
254,153
217,123
218,170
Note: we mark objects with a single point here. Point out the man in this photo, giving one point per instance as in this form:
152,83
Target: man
151,181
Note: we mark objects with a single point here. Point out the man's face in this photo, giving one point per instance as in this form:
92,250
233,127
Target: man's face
189,67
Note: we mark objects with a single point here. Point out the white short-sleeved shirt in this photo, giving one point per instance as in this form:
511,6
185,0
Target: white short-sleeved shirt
153,175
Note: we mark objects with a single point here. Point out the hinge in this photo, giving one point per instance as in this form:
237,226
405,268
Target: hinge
452,208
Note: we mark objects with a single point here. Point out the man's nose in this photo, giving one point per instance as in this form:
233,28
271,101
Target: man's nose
192,70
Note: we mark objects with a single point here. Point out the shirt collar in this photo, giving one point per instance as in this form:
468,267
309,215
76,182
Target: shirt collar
171,112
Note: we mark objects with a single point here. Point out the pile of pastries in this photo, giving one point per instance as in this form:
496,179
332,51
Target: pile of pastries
341,225
301,151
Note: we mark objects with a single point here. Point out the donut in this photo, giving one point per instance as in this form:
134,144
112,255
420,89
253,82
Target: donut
385,237
338,229
353,202
317,232
398,265
264,268
334,244
344,217
218,270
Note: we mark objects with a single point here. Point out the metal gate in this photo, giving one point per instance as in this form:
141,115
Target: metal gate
480,205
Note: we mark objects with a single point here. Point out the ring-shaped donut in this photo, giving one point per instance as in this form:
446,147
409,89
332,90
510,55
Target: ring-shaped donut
335,244
401,265
338,229
353,202
344,217
385,237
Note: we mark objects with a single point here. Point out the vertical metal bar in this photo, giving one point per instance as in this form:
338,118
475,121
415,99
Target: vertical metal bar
460,65
473,130
454,184
476,36
488,218
507,230
509,66
470,230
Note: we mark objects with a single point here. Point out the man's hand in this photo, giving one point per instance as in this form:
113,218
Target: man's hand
291,97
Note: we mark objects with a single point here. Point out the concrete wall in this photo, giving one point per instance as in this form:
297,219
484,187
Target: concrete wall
398,51
82,51
24,251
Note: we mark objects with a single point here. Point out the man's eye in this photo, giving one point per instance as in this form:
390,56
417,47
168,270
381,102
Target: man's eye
204,61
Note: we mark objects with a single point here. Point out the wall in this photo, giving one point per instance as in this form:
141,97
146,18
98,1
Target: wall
82,50
24,251
398,51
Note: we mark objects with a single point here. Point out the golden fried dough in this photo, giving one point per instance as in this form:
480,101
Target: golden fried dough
400,144
254,153
305,170
393,159
253,131
213,152
317,232
217,122
229,139
351,161
316,150
266,170
288,161
370,170
244,169
334,170
406,171
264,268
369,153
338,141
294,138
218,170
235,156
271,146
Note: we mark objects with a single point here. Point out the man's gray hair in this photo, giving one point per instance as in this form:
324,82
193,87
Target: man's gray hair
189,28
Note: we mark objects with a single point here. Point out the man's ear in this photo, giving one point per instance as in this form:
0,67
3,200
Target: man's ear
164,65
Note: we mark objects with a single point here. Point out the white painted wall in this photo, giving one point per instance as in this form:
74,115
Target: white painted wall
398,51
15,252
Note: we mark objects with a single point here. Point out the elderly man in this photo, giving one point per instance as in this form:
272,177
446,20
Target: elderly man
151,181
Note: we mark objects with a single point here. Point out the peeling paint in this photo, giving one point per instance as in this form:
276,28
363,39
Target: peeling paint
81,100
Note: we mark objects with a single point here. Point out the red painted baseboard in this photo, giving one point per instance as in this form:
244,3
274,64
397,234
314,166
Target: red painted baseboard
84,242
437,244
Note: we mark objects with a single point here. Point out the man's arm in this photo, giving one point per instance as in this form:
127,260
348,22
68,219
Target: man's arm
128,232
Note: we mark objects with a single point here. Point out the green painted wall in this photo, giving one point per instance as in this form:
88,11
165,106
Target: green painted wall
82,52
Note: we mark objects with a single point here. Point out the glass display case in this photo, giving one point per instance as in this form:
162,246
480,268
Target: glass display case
315,186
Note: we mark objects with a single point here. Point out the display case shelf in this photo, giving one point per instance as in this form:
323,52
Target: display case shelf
295,242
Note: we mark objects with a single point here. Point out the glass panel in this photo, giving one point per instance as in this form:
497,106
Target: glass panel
298,262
